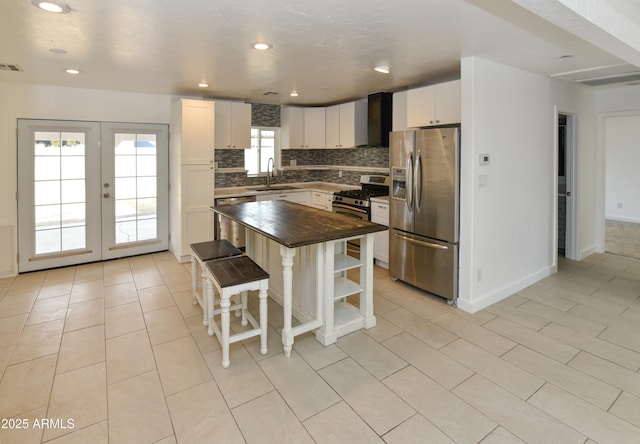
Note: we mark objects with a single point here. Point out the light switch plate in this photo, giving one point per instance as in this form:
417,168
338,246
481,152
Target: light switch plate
484,159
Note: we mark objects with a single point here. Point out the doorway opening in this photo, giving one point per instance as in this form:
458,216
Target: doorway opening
566,185
622,207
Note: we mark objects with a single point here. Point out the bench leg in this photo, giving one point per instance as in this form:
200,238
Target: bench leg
263,295
194,279
243,301
206,309
208,293
225,303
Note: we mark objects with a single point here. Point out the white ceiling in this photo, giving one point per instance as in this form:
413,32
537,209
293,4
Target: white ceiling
324,49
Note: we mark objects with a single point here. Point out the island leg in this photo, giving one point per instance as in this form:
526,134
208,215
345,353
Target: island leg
287,283
366,281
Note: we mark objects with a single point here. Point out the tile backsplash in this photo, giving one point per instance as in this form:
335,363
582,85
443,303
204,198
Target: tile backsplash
269,115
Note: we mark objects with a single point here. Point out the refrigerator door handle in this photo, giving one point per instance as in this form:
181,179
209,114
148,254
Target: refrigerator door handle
409,179
418,181
419,242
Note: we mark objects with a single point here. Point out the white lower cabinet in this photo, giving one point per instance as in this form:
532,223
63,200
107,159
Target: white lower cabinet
301,196
321,200
380,215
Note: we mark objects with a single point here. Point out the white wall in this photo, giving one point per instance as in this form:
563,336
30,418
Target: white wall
507,238
622,148
47,102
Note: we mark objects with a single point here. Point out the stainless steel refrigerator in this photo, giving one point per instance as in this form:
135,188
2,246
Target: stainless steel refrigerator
424,209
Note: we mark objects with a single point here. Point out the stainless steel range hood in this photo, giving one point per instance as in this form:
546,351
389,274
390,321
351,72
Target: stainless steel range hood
379,120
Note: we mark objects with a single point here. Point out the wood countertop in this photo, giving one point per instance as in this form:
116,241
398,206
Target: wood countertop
295,225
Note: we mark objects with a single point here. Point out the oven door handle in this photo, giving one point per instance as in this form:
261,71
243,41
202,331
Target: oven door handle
419,242
349,208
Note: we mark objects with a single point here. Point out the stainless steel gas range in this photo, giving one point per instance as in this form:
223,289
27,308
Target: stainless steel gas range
357,203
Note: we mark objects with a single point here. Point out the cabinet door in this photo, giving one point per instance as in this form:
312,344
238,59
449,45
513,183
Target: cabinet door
197,197
333,121
197,131
240,125
223,124
448,103
319,199
421,107
292,134
233,125
314,128
380,215
353,124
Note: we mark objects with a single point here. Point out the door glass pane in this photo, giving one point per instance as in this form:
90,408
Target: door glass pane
59,166
136,187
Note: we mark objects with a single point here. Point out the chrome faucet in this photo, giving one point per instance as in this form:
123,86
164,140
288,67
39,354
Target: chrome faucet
270,161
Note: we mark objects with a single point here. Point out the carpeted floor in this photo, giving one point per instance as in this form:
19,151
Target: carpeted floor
622,238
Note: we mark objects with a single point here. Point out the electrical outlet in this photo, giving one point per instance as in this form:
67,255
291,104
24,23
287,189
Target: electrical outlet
340,173
619,204
293,162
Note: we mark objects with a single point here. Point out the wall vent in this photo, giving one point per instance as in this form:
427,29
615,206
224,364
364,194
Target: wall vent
10,67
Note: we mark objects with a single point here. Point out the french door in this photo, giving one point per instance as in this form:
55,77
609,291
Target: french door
89,191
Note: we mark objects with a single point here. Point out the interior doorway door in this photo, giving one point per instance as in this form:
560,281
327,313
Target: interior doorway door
90,191
566,185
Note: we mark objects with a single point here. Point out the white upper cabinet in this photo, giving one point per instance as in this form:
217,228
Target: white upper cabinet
314,125
233,124
194,127
438,104
303,127
346,125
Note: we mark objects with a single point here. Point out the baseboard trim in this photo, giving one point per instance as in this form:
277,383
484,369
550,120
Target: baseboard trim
504,292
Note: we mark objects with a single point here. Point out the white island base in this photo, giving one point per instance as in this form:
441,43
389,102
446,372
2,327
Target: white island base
311,284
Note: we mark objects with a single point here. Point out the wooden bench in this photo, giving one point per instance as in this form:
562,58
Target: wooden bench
232,276
202,252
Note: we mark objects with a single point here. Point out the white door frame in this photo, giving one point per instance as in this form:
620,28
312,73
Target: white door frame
571,173
601,174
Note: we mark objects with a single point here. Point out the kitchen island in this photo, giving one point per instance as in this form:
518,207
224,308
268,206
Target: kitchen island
304,251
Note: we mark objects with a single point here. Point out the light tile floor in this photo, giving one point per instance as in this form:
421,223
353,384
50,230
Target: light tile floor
116,352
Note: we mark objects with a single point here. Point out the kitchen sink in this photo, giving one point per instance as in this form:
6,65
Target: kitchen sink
277,188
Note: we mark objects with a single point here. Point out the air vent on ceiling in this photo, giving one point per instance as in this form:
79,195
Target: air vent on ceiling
623,78
602,75
10,67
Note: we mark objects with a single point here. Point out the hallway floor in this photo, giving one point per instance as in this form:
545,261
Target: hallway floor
116,352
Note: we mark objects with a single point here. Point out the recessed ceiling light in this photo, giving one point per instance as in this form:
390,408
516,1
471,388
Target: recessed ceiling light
261,46
203,84
294,94
52,6
72,71
384,69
